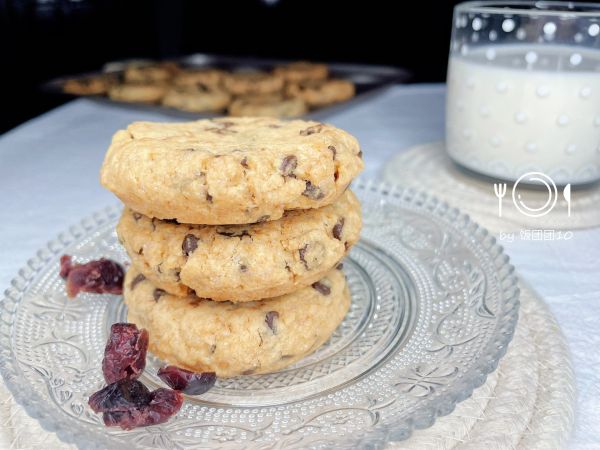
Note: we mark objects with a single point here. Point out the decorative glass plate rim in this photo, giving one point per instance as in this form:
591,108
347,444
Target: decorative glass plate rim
430,408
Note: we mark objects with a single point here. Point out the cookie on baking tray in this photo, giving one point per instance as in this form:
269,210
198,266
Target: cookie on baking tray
272,105
237,338
198,97
206,76
150,73
242,262
317,93
302,71
252,83
90,85
229,171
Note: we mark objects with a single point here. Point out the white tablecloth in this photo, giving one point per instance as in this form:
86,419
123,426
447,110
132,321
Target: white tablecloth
49,180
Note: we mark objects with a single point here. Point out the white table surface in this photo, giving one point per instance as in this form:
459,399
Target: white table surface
49,180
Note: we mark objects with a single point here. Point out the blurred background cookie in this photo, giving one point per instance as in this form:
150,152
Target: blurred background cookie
321,92
196,97
302,71
246,83
207,77
274,105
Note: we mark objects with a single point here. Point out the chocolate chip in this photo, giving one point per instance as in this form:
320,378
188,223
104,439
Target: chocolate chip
288,165
202,87
158,293
333,150
190,243
311,130
209,198
313,192
340,266
244,162
321,288
221,131
234,233
138,279
360,154
137,216
271,320
212,348
337,229
248,372
141,251
171,221
243,268
302,255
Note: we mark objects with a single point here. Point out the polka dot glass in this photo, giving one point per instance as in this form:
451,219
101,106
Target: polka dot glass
524,89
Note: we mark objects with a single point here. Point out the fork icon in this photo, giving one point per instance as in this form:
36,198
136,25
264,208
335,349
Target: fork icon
500,191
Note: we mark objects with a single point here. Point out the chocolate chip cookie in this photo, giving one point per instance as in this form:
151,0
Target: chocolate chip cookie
318,93
198,97
273,105
242,262
237,338
249,83
138,92
91,85
229,170
150,73
207,77
302,71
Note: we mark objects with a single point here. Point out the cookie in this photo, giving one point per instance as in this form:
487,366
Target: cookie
321,93
196,98
242,262
152,73
237,338
302,71
92,85
229,170
138,92
207,77
251,83
273,105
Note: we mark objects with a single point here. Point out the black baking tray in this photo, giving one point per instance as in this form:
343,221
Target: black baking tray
369,80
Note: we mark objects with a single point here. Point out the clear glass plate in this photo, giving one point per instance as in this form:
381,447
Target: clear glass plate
434,307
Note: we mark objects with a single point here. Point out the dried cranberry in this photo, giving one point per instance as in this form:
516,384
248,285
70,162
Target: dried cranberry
191,383
125,352
121,395
163,404
98,277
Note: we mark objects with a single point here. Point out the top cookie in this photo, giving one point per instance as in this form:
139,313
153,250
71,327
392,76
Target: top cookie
229,171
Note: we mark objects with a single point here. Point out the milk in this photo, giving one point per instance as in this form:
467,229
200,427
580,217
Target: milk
514,109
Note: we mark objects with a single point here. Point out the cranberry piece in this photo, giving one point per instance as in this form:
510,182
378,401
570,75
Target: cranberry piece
164,404
125,352
191,383
98,277
122,395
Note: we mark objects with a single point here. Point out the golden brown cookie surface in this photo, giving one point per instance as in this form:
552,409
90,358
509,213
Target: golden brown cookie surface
230,170
243,262
237,339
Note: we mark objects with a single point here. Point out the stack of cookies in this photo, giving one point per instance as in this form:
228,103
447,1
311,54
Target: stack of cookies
236,229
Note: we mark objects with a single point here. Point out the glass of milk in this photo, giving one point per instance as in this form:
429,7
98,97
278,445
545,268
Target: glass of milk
524,89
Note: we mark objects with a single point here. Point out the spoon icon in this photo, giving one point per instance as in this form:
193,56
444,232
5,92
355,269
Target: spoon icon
567,196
